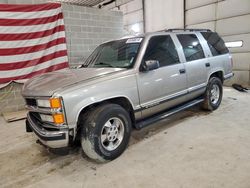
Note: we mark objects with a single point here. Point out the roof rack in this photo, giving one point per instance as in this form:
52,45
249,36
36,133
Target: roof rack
177,29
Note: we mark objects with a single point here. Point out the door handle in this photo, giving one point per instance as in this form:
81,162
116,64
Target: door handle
207,64
182,71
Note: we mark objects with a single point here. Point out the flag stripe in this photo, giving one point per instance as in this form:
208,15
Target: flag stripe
35,73
30,49
29,63
26,22
31,56
27,70
34,35
30,29
32,42
28,8
29,15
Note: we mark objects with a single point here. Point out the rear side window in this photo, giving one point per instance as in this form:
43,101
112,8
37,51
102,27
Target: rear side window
191,47
215,43
162,48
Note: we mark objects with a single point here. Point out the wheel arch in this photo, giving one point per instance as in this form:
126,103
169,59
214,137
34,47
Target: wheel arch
217,73
120,100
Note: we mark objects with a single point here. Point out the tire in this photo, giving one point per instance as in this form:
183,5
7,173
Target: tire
213,94
106,124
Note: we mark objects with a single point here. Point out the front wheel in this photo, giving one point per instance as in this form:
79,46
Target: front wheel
106,132
213,94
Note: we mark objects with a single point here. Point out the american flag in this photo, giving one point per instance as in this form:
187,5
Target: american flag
32,41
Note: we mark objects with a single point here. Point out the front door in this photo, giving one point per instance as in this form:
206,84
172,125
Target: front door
166,86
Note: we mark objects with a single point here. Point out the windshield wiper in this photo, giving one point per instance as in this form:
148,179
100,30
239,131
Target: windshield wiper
102,63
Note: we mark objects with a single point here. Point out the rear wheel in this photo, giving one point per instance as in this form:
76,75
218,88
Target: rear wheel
106,132
213,94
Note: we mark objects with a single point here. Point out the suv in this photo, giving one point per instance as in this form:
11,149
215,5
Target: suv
124,84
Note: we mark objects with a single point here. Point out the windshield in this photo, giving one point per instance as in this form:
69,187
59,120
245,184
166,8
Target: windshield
117,54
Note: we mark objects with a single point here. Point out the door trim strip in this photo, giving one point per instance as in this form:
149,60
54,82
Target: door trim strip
172,97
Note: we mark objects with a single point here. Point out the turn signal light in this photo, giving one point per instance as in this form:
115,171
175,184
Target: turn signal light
58,118
55,103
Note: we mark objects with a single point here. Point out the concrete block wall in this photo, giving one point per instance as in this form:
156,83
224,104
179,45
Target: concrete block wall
230,18
132,14
85,29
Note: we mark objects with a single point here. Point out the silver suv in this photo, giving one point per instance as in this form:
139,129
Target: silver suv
124,84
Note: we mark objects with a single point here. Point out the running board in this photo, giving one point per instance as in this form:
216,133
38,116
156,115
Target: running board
168,113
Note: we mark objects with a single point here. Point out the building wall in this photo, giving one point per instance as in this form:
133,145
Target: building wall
132,14
154,15
164,14
85,29
230,18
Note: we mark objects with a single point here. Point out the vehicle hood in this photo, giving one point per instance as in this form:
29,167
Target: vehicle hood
47,84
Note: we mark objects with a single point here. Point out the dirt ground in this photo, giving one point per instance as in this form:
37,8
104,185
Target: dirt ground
191,149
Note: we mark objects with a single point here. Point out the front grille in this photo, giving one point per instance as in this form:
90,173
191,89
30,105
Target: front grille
31,102
35,117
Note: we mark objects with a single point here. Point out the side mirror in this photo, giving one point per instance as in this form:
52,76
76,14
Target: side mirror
150,65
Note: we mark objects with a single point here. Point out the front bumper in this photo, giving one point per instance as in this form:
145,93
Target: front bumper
52,139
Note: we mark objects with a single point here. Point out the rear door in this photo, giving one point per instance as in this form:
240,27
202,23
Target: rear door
161,88
196,63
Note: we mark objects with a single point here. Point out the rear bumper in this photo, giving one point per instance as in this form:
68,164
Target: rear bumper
52,139
228,76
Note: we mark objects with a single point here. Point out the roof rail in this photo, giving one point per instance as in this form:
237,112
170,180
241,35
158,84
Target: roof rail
177,29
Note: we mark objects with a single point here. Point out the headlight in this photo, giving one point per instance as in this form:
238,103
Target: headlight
47,118
43,103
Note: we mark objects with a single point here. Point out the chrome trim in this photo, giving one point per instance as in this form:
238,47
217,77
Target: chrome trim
53,139
39,110
197,87
228,76
158,101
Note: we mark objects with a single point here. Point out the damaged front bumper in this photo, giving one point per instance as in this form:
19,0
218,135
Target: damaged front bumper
50,138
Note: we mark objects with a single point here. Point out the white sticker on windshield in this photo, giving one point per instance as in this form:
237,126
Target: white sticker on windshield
134,40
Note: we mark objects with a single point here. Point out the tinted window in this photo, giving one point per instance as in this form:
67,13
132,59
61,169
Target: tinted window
191,47
162,48
215,43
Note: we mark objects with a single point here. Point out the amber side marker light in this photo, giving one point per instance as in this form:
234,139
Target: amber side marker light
55,103
58,118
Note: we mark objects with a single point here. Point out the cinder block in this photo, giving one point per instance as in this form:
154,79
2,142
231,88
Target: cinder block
97,29
80,9
75,28
84,29
67,7
85,16
74,15
95,17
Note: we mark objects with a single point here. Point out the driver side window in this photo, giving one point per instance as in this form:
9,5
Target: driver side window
162,48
